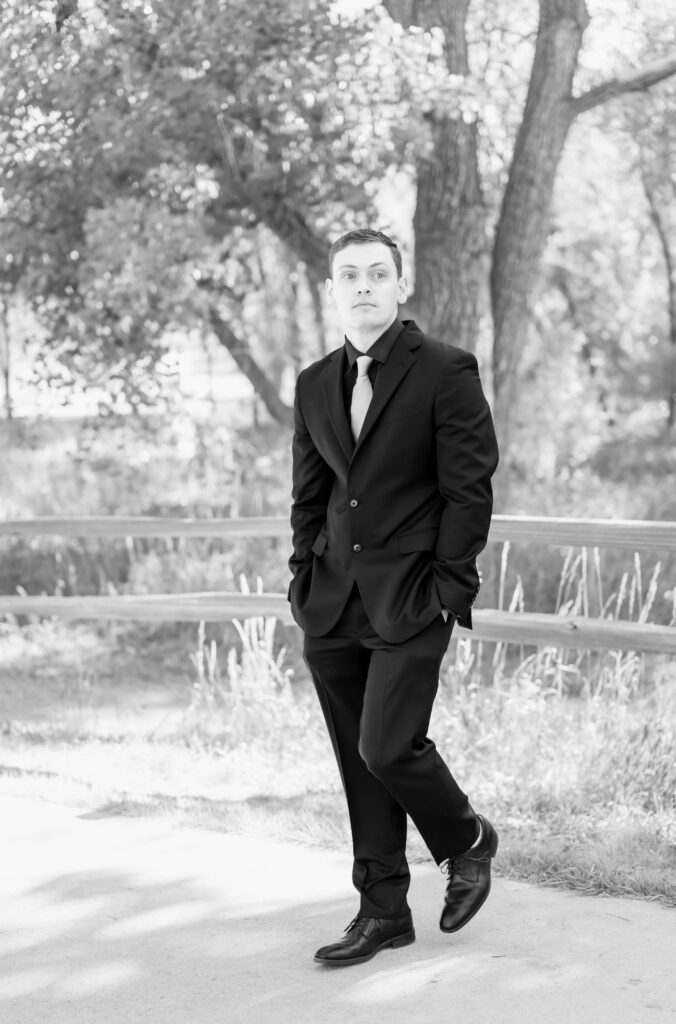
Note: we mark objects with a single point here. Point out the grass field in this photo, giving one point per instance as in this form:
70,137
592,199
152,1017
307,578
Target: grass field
576,770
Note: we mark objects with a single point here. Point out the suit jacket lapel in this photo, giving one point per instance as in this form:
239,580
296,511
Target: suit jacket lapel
399,362
332,386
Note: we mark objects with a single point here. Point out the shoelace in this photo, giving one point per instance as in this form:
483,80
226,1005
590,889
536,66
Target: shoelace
465,867
453,863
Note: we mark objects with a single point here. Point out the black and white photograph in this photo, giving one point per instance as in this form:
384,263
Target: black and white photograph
337,511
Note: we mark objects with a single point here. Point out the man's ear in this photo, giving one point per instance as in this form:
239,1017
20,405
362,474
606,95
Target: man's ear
402,293
328,286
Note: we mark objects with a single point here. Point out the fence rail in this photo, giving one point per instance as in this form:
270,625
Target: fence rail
523,628
633,534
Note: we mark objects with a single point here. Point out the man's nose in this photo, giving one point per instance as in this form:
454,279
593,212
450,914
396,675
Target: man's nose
364,286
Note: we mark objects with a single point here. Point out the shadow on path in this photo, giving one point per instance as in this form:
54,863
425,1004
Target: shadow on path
117,920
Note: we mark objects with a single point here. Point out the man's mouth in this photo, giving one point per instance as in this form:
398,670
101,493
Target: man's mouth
358,304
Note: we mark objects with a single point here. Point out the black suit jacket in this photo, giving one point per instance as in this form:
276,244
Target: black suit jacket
406,510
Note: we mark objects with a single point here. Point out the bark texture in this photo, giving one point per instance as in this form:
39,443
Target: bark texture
524,219
451,247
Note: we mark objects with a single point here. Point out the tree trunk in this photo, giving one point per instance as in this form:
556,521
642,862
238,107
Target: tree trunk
5,362
451,247
450,238
451,297
524,218
318,311
262,384
665,236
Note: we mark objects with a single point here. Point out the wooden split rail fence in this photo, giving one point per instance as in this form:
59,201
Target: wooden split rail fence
525,628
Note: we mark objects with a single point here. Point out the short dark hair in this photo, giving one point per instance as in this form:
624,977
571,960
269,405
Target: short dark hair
360,237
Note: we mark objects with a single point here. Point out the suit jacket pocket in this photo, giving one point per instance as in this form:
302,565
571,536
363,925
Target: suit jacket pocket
418,540
320,543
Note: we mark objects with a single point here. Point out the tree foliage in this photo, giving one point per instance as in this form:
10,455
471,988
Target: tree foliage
141,150
154,153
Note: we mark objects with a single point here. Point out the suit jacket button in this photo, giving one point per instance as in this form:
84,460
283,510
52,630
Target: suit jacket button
353,503
356,547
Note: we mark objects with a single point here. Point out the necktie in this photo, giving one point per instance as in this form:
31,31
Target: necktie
361,395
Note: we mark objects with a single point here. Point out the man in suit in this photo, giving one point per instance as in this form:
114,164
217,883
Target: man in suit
393,453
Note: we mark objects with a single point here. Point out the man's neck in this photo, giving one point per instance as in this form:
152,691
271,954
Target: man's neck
362,340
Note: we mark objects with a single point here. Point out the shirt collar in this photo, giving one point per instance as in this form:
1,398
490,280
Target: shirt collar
381,347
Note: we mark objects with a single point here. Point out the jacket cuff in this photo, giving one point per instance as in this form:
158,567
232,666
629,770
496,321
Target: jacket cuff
458,600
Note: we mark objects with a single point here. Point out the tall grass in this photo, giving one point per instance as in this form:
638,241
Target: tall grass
551,728
244,709
580,591
571,752
250,699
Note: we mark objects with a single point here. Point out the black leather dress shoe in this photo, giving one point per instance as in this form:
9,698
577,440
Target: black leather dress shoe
364,937
469,881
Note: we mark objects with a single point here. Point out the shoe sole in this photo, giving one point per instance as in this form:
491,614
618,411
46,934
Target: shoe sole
456,928
395,943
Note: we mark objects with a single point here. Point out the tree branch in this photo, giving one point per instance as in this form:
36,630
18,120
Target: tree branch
289,224
663,234
630,81
262,384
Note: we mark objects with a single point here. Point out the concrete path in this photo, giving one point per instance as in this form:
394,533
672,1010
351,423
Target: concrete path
106,919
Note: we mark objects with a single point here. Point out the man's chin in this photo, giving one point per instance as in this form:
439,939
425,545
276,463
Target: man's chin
367,316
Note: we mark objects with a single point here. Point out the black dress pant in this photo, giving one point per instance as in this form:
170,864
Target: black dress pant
377,700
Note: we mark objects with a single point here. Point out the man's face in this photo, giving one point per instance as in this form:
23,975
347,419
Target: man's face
365,288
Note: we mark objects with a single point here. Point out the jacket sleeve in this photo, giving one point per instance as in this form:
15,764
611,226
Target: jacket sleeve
312,483
467,457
